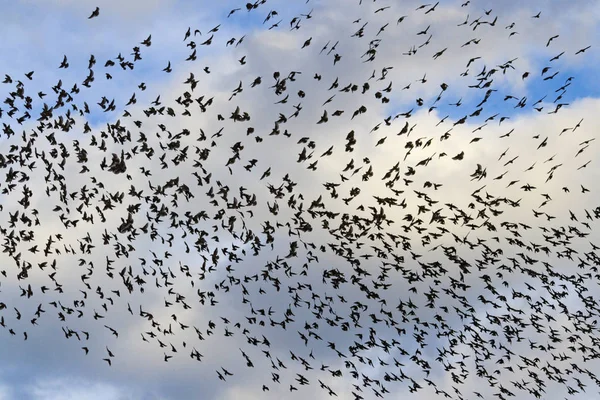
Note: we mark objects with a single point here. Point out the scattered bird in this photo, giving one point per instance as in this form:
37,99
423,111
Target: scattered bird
95,13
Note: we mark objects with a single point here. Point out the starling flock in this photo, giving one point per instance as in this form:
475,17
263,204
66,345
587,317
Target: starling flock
232,221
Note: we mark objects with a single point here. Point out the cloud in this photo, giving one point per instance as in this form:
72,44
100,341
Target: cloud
66,389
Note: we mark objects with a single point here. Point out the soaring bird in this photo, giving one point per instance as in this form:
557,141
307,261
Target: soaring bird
95,13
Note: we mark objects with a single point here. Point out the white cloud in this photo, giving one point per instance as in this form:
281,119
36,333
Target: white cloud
72,389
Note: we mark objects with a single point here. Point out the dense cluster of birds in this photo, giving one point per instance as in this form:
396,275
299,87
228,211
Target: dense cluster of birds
376,272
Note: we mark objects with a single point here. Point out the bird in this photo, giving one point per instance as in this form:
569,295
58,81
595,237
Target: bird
64,63
583,50
551,39
95,13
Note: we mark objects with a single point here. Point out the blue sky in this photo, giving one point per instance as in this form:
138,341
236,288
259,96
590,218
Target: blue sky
49,367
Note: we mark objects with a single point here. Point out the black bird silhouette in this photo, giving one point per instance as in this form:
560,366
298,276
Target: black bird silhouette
95,13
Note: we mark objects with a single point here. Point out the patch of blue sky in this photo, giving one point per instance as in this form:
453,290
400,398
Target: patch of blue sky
581,86
63,31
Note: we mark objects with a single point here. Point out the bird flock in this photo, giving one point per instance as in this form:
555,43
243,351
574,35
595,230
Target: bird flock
258,222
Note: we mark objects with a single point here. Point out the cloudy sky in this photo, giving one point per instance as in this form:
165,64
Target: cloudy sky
489,108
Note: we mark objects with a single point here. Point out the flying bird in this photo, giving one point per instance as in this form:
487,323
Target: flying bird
95,13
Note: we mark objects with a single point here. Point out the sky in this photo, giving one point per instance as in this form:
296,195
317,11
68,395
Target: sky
542,164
